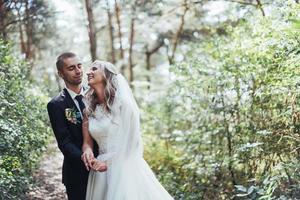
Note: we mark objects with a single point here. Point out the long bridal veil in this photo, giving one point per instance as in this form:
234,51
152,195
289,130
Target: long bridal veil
129,176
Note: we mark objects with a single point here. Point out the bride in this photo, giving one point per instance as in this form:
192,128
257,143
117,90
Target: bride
112,119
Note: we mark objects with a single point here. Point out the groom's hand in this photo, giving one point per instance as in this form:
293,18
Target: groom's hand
87,157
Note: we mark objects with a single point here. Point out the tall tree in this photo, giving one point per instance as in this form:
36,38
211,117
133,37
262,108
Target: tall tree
111,32
120,35
29,30
91,29
3,13
131,42
20,28
28,20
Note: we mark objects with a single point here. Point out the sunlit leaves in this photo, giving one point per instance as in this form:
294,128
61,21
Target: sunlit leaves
23,130
233,112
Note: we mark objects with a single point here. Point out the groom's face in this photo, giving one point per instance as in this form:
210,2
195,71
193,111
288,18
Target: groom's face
72,71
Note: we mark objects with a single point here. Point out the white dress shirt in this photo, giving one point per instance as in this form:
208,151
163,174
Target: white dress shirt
73,95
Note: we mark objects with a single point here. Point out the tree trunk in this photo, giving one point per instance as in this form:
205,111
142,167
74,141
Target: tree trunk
29,33
111,33
149,53
91,29
120,35
178,34
22,42
117,11
3,20
237,103
131,65
20,25
229,143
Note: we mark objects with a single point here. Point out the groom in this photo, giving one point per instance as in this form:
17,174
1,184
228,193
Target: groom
66,114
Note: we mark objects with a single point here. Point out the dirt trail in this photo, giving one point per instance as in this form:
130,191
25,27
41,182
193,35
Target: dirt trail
48,177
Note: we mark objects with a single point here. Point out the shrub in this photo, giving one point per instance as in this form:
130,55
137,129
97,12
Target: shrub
232,113
23,127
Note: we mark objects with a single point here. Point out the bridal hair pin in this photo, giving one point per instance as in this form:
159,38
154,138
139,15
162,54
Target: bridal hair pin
109,66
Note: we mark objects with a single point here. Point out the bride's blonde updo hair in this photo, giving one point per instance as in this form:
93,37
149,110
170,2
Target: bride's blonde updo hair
109,73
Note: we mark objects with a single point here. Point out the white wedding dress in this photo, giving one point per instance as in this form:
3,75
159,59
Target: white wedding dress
128,176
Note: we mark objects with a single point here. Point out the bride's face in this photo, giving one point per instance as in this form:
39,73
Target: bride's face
95,76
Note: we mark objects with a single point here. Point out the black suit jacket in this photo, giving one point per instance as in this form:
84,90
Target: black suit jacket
69,138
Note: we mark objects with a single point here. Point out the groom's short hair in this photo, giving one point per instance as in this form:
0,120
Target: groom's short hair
60,59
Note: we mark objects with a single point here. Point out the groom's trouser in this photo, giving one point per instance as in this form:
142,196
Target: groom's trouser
76,192
75,178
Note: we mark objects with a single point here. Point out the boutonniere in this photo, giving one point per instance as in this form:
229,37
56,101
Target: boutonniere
72,115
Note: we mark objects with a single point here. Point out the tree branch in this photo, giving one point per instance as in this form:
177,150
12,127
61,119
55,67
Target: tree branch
177,37
234,1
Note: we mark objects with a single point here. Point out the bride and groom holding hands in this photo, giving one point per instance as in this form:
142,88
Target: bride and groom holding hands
98,131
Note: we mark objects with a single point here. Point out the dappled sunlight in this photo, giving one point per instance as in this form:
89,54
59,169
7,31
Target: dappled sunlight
216,82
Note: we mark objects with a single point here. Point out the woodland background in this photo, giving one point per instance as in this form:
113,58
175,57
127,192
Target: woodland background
217,82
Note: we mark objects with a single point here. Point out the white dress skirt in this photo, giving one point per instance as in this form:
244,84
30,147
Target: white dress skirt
128,176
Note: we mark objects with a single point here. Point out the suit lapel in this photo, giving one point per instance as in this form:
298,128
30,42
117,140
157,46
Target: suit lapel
69,102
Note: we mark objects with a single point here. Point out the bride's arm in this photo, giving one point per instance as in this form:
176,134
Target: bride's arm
87,146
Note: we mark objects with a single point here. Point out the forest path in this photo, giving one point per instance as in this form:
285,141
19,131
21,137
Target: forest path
47,177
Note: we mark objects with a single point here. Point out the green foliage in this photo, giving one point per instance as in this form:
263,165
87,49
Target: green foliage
232,114
23,131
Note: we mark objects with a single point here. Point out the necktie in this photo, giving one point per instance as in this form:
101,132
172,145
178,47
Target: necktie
80,102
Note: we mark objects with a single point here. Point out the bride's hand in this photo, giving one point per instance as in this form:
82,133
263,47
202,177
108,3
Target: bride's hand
87,157
98,165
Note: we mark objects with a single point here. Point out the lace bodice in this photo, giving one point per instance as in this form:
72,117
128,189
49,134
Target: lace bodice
103,128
